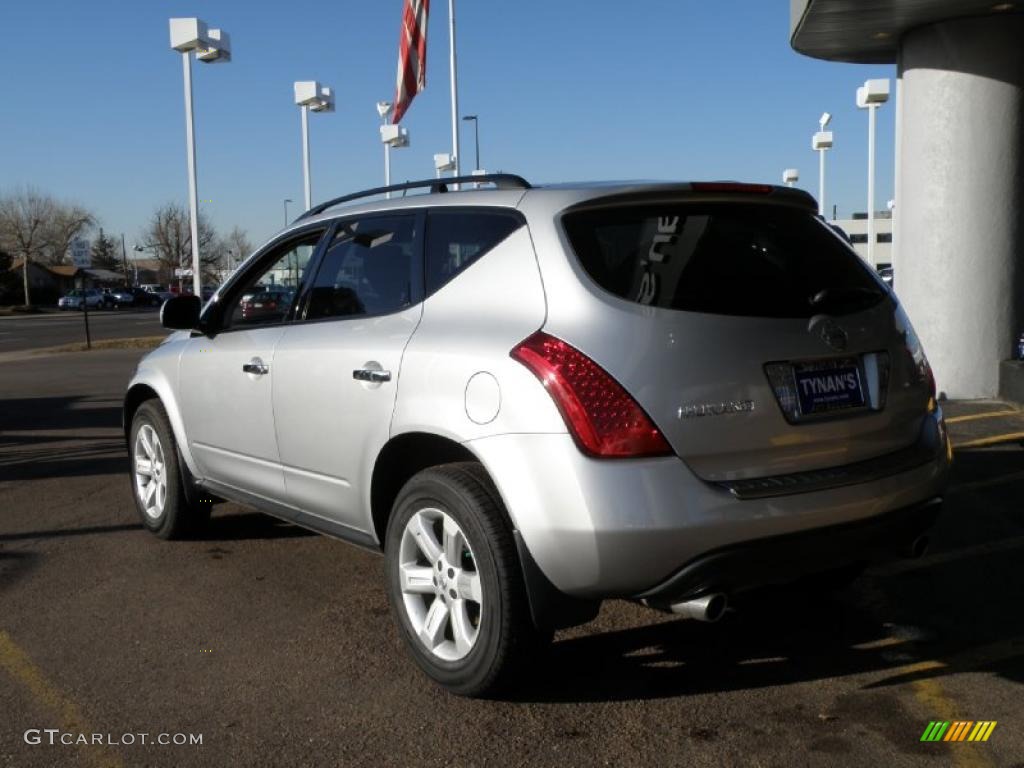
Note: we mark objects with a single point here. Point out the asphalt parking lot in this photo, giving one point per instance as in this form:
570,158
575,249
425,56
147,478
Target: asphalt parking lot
277,646
26,332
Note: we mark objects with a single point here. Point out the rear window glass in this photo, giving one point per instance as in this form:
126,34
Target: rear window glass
722,258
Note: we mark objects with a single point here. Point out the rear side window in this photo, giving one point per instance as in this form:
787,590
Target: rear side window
367,269
457,238
722,258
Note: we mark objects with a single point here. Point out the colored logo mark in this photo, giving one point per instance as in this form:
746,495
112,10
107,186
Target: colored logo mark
958,730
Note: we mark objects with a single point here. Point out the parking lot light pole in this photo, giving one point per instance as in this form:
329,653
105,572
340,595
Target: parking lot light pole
871,96
286,201
820,143
790,176
310,96
210,45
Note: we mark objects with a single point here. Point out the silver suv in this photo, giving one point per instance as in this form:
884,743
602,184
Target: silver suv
536,398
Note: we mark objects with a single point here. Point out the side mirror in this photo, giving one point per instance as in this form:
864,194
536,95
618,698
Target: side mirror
180,313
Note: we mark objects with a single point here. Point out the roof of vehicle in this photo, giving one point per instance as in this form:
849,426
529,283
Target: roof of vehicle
562,194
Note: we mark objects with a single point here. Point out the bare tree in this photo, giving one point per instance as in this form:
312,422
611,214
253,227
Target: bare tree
238,247
169,236
68,222
23,218
36,227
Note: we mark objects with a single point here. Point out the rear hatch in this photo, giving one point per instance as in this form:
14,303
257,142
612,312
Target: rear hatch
753,336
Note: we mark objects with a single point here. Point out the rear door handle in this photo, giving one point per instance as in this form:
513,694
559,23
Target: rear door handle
256,367
370,374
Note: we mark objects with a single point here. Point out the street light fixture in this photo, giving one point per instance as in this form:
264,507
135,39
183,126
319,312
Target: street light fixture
820,143
790,176
310,96
443,161
476,135
286,201
871,96
392,136
210,46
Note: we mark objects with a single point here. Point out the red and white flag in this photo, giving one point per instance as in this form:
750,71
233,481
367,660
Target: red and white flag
412,55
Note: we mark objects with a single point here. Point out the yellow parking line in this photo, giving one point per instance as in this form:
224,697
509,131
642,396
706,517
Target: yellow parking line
985,415
16,663
1008,437
939,706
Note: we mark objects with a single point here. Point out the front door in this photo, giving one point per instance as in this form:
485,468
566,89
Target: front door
226,378
337,370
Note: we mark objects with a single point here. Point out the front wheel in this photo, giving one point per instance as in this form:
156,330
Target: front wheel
158,480
454,582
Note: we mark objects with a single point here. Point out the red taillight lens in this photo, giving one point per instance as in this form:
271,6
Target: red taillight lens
603,419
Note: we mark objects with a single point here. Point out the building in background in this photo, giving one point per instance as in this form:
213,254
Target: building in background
959,226
856,230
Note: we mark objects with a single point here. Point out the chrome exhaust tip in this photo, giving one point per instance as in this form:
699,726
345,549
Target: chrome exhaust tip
706,608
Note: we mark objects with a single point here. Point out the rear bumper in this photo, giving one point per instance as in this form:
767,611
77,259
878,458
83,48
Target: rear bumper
782,559
601,529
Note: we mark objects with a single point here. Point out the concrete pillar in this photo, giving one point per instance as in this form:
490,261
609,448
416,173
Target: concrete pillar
961,190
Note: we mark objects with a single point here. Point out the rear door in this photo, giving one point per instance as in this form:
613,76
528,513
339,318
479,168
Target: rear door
754,337
337,371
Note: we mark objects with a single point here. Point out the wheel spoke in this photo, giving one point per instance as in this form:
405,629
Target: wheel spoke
161,495
468,585
453,542
425,538
148,491
434,624
143,466
462,629
147,446
416,579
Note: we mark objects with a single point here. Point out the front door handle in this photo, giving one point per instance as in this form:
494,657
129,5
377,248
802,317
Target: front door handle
370,374
256,367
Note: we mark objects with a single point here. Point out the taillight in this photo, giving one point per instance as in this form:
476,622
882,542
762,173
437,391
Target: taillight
601,416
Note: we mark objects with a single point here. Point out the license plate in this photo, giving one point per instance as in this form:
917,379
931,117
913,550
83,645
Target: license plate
828,385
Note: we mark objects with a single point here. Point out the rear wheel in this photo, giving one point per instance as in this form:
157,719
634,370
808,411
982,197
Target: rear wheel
158,477
454,581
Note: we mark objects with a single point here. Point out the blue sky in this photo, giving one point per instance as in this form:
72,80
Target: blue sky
92,105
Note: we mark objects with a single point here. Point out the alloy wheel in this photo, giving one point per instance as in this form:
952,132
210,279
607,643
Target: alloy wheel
441,588
150,471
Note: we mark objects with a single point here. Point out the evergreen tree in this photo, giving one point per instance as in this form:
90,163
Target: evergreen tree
106,254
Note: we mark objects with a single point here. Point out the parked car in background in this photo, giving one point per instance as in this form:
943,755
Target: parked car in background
156,294
533,399
80,298
116,298
269,306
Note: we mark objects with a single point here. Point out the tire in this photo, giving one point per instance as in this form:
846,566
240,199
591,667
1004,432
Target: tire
175,517
486,632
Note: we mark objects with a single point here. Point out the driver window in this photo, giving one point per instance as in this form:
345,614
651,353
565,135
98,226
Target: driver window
269,297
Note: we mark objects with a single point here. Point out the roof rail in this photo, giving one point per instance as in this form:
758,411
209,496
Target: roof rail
500,180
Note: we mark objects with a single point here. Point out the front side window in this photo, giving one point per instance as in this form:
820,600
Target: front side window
455,239
368,269
269,295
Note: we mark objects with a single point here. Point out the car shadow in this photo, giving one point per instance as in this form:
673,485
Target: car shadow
949,612
238,526
23,414
66,457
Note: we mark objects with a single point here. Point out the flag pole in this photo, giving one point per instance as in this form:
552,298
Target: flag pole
455,87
